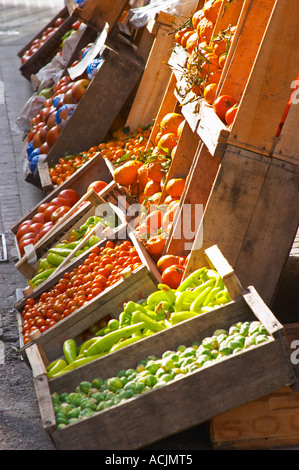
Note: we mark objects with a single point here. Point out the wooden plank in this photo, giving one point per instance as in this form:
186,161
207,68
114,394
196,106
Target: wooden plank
199,184
212,131
267,90
221,265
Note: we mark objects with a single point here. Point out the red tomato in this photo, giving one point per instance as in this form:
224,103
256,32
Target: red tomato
173,275
48,213
60,212
70,195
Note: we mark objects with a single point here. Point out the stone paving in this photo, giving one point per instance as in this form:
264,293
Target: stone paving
20,424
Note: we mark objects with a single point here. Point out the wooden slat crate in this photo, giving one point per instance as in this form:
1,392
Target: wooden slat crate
241,215
156,73
94,170
267,423
96,13
96,206
139,284
196,398
188,219
82,131
48,50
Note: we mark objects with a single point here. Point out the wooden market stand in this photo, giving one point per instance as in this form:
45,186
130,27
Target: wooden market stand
246,180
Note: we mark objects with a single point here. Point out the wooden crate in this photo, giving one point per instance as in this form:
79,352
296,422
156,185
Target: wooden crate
156,74
48,50
241,215
195,398
94,170
96,206
139,285
96,13
252,75
99,106
267,423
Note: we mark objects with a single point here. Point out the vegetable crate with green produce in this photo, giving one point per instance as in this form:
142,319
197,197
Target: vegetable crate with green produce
97,12
95,220
97,284
207,365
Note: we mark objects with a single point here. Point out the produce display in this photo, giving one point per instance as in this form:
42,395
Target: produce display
57,254
33,230
100,393
201,292
37,43
206,56
102,268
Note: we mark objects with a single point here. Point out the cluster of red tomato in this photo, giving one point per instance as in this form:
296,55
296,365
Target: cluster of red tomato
48,213
101,269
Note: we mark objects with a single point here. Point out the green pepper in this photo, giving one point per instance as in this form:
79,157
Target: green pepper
198,302
91,221
70,350
92,241
58,367
149,323
106,342
209,274
55,260
178,317
72,245
127,342
82,361
190,281
184,300
43,276
168,291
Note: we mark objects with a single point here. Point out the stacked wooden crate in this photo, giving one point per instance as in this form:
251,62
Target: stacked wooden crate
242,176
